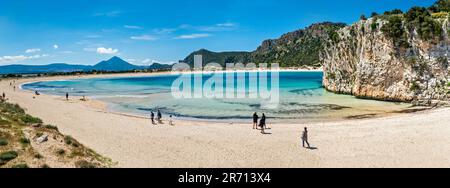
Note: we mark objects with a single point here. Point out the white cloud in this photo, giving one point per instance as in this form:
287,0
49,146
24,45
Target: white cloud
132,27
143,37
103,50
226,25
19,58
55,46
109,14
132,61
152,61
93,36
193,36
33,50
146,61
164,31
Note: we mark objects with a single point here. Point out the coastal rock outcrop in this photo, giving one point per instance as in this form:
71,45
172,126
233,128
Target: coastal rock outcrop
390,57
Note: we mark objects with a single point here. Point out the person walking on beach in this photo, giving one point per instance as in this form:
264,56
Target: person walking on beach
170,120
255,121
262,123
305,137
159,117
4,95
67,96
152,116
14,88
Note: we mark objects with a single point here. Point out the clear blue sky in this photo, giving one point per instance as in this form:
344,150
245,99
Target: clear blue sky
142,32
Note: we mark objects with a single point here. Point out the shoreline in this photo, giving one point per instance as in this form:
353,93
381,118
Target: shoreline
105,107
395,141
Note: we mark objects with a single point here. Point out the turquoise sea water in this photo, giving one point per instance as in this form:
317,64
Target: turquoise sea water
302,98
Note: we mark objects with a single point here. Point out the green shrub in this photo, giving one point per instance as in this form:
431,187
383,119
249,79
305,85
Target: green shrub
39,134
23,165
3,142
30,119
420,19
51,127
439,15
68,140
395,31
3,122
38,156
60,151
374,25
9,155
11,108
393,12
85,164
24,140
415,87
331,76
440,6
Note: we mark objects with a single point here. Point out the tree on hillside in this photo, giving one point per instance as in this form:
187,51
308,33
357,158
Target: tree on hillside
374,14
363,17
440,6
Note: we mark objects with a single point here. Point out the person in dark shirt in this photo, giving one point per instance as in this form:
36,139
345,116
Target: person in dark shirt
305,137
159,117
152,116
67,96
262,123
255,121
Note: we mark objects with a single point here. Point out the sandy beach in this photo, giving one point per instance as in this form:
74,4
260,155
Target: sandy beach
420,139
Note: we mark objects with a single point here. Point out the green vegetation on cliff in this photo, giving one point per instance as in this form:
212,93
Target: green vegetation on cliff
300,48
417,19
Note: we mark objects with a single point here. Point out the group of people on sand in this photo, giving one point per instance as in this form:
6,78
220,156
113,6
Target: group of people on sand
262,126
159,118
262,123
13,85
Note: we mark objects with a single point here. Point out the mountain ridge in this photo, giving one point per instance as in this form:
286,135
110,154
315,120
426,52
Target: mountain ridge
299,48
114,64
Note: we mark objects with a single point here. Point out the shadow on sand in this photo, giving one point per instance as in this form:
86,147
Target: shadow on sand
312,148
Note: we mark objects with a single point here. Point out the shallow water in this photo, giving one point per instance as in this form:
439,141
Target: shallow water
302,98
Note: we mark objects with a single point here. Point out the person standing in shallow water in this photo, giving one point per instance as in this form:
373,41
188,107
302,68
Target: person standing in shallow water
255,121
305,137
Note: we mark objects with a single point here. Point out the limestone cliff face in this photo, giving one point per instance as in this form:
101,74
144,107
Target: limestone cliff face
363,61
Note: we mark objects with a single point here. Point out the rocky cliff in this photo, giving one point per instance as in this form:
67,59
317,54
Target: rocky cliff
400,57
299,48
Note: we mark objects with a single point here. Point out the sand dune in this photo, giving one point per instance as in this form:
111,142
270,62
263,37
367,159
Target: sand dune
407,140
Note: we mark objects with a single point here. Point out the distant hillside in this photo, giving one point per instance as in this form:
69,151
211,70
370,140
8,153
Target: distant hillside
115,64
36,69
221,58
294,49
298,48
